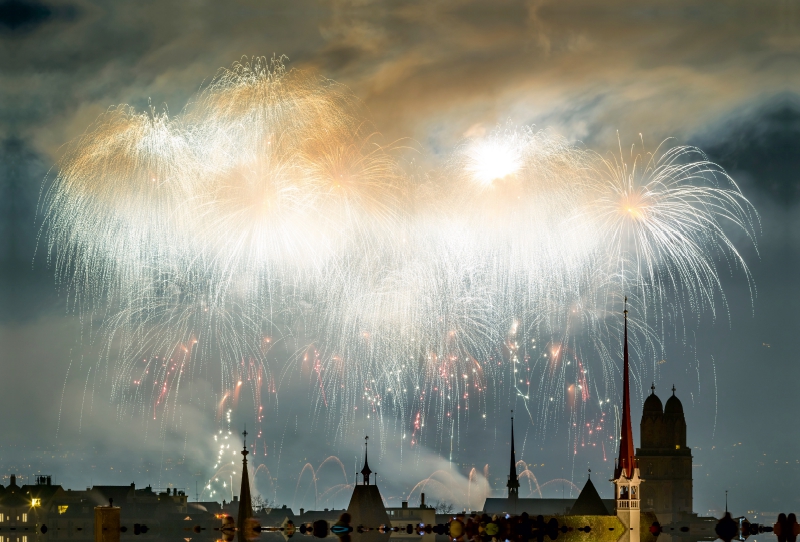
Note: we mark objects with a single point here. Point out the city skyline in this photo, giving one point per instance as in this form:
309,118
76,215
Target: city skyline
429,76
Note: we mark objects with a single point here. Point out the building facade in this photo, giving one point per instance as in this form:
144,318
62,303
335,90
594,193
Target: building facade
665,460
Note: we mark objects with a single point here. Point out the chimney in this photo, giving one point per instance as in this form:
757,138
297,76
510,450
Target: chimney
422,500
13,481
302,510
235,498
405,504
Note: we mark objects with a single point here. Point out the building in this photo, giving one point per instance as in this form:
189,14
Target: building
405,515
513,504
244,514
366,506
32,511
627,482
665,459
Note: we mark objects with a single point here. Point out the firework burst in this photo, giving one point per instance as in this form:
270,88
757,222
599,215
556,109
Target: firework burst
268,209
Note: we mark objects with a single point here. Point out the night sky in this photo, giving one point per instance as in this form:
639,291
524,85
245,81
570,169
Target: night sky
722,75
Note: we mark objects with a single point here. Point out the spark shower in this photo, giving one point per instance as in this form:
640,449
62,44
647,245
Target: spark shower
269,215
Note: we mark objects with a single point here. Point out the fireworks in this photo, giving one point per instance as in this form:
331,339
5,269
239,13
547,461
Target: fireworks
269,208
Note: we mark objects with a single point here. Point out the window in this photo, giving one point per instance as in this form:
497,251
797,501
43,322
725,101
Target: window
2,518
36,502
677,446
24,517
61,509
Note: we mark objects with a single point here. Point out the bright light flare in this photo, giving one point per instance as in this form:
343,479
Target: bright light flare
492,160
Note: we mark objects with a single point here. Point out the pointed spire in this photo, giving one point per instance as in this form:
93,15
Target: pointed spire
245,502
513,482
365,472
653,388
626,459
673,390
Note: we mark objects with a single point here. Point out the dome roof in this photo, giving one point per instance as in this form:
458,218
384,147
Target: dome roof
673,405
652,405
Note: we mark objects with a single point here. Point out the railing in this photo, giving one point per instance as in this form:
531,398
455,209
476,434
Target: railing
628,505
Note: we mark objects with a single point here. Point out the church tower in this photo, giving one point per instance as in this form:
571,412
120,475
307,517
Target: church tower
513,481
245,503
366,506
626,474
665,459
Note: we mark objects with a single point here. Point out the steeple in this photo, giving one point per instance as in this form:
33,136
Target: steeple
245,503
366,508
513,482
365,472
626,459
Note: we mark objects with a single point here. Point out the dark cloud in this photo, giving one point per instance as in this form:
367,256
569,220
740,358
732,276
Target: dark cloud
20,16
764,146
26,282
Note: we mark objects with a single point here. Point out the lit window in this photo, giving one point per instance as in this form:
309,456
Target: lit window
677,446
24,518
36,502
61,509
2,518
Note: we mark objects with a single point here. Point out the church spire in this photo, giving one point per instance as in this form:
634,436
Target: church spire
513,482
245,503
626,459
366,472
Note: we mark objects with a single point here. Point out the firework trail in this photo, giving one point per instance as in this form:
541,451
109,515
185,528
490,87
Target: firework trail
268,213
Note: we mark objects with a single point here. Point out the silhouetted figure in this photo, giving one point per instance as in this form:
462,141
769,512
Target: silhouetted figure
320,528
342,527
780,527
792,528
727,528
524,526
655,528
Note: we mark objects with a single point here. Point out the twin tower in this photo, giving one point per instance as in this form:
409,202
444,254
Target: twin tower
663,460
